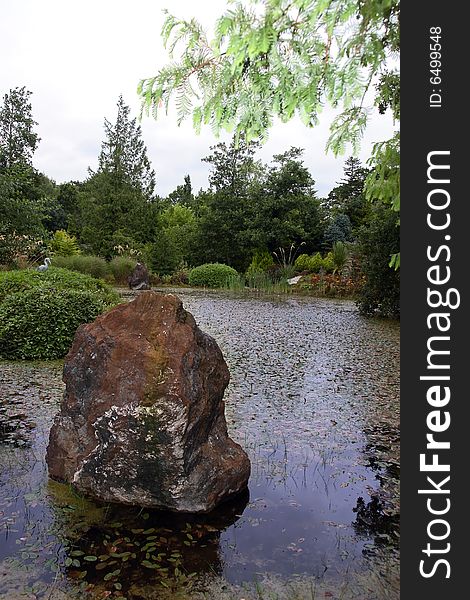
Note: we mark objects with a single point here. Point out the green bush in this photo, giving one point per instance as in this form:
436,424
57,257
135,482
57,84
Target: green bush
328,263
302,263
40,312
121,267
212,275
312,264
340,256
56,278
379,240
40,323
261,262
63,244
94,266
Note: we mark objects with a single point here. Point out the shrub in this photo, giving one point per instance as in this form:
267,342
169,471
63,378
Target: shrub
261,262
40,312
121,267
312,264
56,278
181,275
340,256
212,275
63,244
40,323
95,266
302,263
378,242
328,263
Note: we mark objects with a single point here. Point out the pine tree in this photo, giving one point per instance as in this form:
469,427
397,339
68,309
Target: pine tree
124,154
117,201
348,197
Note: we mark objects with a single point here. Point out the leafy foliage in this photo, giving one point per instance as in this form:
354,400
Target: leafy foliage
117,201
63,244
381,292
40,312
18,141
121,267
261,262
213,275
40,323
279,58
340,256
12,282
94,266
312,264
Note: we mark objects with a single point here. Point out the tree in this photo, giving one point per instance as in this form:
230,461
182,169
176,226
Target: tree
348,197
175,238
226,210
117,201
286,210
183,194
124,155
21,189
278,58
378,240
18,141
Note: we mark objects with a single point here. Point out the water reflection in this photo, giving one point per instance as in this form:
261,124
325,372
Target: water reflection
313,398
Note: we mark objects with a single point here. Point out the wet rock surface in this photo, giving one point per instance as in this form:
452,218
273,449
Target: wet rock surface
139,279
142,419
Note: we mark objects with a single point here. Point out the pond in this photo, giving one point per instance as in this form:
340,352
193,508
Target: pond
313,399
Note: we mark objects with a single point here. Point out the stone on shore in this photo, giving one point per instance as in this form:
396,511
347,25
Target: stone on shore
139,279
142,419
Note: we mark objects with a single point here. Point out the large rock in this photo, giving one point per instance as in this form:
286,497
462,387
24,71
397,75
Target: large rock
139,279
142,419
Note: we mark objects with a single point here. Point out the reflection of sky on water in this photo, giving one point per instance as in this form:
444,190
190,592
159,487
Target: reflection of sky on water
308,378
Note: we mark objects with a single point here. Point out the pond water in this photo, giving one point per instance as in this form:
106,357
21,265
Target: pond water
313,399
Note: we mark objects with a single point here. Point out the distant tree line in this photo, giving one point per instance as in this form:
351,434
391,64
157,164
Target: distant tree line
249,208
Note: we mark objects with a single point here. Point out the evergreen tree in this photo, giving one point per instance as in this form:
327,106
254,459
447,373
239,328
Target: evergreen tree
124,155
117,201
226,210
348,197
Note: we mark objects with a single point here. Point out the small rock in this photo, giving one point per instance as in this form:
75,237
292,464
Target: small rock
139,279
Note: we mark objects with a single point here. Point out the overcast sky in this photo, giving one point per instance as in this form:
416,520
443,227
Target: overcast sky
78,56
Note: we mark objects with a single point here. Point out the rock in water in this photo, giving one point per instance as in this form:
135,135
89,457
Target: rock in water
142,419
139,279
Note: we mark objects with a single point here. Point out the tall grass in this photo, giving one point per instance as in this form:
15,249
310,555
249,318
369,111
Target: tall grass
89,265
121,267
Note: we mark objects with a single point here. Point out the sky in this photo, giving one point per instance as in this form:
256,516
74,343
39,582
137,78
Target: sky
78,56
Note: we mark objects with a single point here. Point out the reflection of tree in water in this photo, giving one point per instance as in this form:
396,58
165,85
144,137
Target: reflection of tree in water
132,550
380,517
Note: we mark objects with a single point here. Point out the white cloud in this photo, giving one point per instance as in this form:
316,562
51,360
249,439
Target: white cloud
78,56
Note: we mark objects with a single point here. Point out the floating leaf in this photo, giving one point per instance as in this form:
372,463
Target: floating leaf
90,558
